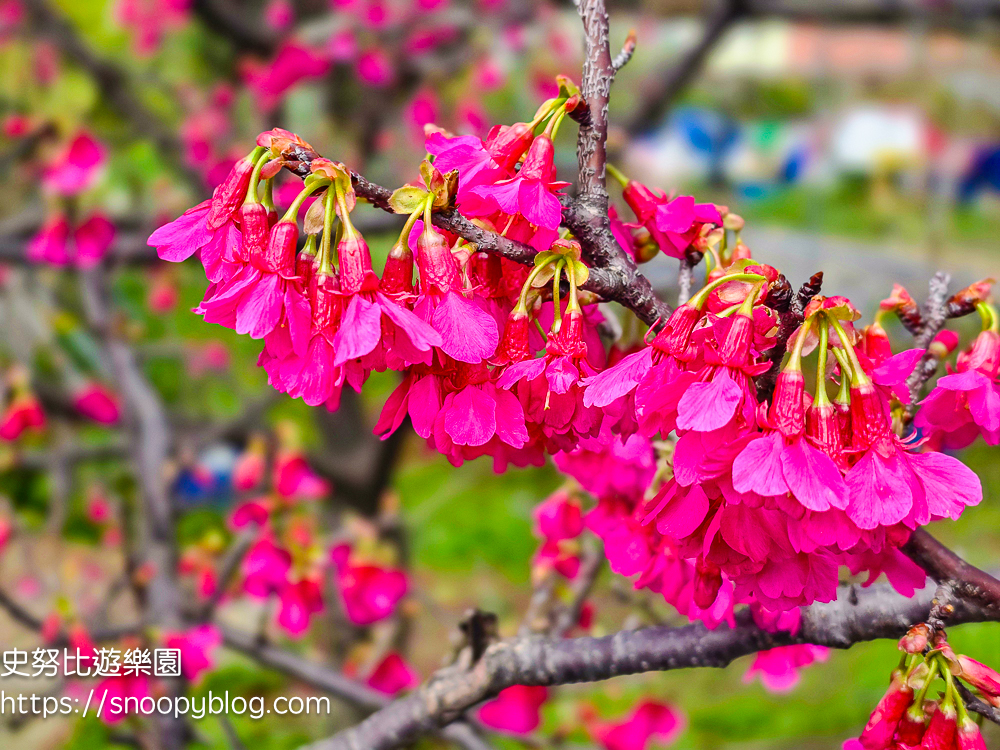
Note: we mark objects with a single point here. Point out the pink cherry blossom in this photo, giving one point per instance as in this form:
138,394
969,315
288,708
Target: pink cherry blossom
76,167
393,675
649,721
97,403
197,647
779,669
515,709
370,593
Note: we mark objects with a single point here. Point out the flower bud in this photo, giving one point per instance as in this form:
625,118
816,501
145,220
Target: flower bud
943,344
875,342
969,736
230,194
279,255
941,730
882,724
356,273
741,252
643,245
253,223
325,299
397,277
674,337
438,269
788,409
982,678
915,640
823,429
641,200
912,726
514,345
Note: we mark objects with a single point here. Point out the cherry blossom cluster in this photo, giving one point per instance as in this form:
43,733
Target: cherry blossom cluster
710,493
288,560
912,715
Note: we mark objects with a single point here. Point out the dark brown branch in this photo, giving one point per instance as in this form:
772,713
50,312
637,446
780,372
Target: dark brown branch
613,275
977,705
933,318
856,616
330,681
944,566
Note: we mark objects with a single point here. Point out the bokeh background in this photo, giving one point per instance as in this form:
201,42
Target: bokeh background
860,138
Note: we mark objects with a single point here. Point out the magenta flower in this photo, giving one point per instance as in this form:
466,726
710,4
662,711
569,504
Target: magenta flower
24,412
889,484
295,479
982,678
609,467
468,333
516,709
550,387
558,517
966,403
650,721
779,668
181,238
297,603
291,64
372,322
252,511
370,593
197,647
265,568
374,68
680,221
97,403
393,675
76,167
532,193
784,460
93,240
51,243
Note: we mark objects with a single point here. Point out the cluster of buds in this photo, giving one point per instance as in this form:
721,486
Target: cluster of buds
910,715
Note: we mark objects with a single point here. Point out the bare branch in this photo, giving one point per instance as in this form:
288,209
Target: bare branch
628,49
944,566
856,616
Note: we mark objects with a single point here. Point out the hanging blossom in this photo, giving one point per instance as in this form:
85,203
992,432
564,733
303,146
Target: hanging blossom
710,494
908,714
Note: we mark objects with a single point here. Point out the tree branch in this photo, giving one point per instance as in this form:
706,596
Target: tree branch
945,567
613,276
856,616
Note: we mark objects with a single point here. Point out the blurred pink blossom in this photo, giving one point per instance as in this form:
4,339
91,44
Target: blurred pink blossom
779,668
292,64
97,403
516,709
393,675
197,648
375,68
76,167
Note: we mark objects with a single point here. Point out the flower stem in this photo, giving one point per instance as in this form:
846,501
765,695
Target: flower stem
858,374
822,398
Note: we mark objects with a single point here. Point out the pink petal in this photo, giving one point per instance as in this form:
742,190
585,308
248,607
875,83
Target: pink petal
758,467
298,315
681,517
360,330
709,405
538,205
421,335
259,309
618,380
880,491
468,333
950,485
897,368
471,418
510,419
425,403
676,216
813,477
